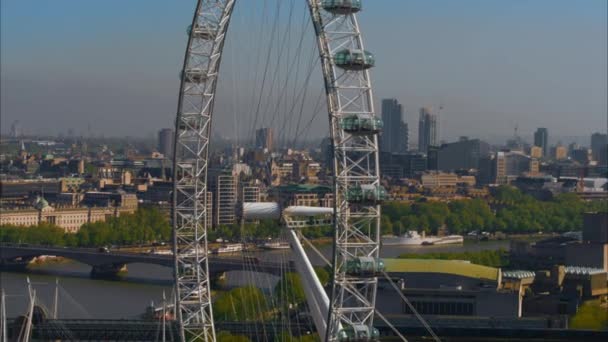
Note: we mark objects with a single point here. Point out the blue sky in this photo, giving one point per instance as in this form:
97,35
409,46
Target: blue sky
113,64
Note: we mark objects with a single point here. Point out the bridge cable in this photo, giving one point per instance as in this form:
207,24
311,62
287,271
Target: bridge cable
289,67
312,246
390,325
277,70
418,316
267,64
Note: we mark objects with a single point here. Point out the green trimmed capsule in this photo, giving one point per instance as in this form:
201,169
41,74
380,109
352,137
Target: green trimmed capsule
365,266
361,124
354,59
358,333
342,6
366,194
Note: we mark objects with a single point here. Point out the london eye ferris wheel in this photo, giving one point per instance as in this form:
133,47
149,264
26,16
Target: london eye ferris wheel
353,130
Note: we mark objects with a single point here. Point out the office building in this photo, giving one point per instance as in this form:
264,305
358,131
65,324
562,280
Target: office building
110,199
580,155
225,203
395,134
22,188
603,156
224,188
165,142
427,130
432,157
264,139
452,289
402,165
599,141
251,194
541,137
487,170
561,152
302,194
68,217
586,251
536,152
461,155
435,179
509,165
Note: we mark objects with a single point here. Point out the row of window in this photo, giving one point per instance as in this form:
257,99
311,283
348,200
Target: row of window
440,308
68,220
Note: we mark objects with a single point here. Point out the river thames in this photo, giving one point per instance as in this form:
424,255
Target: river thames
82,297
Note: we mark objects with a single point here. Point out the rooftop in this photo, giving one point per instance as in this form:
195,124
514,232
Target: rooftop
518,274
455,267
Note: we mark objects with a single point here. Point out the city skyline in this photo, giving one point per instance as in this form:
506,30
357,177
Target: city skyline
486,80
220,171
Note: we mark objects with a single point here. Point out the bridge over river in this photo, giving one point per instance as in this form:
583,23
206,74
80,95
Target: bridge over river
109,264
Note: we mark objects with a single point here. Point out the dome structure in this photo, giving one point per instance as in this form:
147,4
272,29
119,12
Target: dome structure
42,204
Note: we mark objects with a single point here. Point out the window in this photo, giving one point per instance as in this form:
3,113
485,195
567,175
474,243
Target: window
431,307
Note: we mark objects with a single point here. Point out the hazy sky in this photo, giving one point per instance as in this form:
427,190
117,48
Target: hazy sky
114,64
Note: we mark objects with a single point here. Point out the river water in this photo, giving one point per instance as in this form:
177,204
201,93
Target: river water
82,297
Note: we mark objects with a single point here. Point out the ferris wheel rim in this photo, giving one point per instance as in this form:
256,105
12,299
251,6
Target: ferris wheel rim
194,135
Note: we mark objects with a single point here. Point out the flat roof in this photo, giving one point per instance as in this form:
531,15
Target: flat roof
455,267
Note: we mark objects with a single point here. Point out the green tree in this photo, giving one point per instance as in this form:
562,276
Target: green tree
240,304
386,226
590,316
289,289
285,336
322,274
225,336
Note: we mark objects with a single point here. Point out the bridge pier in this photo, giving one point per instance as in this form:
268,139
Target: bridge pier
108,271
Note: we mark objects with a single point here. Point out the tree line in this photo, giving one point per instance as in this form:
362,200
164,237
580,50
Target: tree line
261,230
144,226
508,211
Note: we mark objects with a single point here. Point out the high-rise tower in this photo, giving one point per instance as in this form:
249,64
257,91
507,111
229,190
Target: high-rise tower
427,129
165,142
541,137
395,135
264,138
599,141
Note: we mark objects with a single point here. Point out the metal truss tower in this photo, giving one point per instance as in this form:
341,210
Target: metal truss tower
357,189
192,131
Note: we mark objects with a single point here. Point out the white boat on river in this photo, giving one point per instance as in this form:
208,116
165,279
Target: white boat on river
412,238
